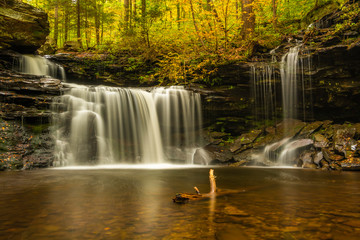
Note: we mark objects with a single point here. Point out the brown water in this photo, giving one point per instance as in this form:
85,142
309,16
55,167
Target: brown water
136,204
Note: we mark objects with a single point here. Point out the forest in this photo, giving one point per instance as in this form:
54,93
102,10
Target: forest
186,39
112,112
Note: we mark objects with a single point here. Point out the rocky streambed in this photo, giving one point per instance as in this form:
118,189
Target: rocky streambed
318,145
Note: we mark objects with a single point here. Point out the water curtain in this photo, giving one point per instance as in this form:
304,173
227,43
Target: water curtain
104,125
295,92
40,66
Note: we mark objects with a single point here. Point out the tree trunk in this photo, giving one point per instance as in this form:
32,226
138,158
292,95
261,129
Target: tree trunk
178,14
126,13
66,24
97,23
144,29
248,18
274,7
56,23
78,33
135,13
87,40
226,23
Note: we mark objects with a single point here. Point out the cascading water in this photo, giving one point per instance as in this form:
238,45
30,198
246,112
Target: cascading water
106,125
289,71
37,65
180,119
295,89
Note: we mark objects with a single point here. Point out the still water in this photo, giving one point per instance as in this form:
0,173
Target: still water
137,204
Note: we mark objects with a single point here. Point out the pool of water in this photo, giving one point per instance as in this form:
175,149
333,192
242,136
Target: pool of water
137,203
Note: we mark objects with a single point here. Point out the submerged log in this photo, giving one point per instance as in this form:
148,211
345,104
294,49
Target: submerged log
214,192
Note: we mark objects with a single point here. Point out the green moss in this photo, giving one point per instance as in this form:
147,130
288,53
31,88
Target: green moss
318,12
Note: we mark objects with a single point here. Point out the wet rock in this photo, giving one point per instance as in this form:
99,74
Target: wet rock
290,152
248,155
343,139
306,157
310,128
218,135
357,127
309,165
335,166
245,139
22,27
320,141
202,157
331,156
318,156
272,148
270,130
290,128
300,143
213,154
23,83
324,164
238,163
351,164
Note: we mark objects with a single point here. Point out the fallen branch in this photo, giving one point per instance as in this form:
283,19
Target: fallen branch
214,192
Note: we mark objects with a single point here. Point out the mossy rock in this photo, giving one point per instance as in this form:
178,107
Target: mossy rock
319,12
23,28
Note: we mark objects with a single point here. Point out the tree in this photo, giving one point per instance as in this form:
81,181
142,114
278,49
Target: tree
274,7
78,23
248,18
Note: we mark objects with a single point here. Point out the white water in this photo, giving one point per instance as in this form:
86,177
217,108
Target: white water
293,92
106,125
289,82
40,66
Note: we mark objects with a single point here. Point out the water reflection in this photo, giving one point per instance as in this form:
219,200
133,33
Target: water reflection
136,204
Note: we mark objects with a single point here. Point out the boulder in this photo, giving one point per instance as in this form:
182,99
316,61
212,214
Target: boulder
291,151
212,154
318,157
306,157
320,140
23,28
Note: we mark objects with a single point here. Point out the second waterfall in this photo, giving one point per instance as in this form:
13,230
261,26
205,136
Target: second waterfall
104,125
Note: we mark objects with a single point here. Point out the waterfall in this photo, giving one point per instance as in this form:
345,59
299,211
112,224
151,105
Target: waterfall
37,65
104,125
295,95
289,83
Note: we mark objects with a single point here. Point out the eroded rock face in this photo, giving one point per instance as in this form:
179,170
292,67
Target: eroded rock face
23,28
26,97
